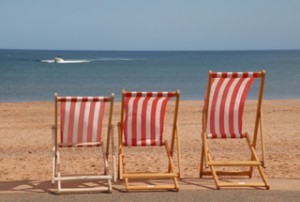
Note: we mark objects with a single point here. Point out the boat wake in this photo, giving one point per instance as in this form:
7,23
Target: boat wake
66,61
103,59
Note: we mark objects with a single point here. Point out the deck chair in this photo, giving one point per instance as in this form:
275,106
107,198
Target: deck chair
222,119
82,123
142,125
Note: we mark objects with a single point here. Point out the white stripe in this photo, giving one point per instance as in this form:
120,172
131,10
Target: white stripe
227,107
76,120
66,126
237,105
239,74
212,91
157,119
139,121
129,120
148,121
95,121
165,94
86,121
218,105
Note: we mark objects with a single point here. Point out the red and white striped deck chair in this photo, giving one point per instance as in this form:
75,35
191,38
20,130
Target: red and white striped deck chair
142,125
81,122
222,118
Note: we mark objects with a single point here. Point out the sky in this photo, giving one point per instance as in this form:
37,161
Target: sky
150,24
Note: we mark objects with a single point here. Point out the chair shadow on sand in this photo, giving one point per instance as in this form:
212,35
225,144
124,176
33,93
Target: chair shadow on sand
33,186
26,186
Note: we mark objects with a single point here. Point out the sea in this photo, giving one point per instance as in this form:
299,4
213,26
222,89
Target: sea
32,75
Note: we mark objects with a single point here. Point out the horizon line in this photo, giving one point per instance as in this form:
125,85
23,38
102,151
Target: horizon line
145,50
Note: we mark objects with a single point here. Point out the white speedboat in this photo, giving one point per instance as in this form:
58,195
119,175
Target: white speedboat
58,59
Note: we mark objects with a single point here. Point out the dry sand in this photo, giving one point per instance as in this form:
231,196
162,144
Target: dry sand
25,140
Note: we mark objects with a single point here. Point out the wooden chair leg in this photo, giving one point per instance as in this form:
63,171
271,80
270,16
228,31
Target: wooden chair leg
201,162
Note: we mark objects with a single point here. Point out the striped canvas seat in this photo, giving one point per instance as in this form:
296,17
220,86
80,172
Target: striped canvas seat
142,124
223,119
226,103
145,111
79,122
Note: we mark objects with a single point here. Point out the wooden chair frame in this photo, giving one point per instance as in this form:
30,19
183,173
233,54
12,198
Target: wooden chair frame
123,174
56,173
206,157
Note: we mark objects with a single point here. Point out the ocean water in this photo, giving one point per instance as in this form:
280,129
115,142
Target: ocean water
31,75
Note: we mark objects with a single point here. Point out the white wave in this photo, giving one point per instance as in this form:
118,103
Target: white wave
66,61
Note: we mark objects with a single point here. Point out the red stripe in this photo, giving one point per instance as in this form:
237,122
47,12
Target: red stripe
213,106
231,110
63,99
153,116
222,108
126,103
159,94
73,99
149,94
235,74
242,103
81,122
90,122
62,120
171,94
134,121
213,74
71,120
162,118
139,94
100,121
127,94
84,99
144,118
256,74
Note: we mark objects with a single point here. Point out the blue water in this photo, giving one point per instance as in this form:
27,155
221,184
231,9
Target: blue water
31,75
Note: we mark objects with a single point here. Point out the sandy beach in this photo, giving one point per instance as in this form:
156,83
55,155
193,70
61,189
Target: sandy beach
25,146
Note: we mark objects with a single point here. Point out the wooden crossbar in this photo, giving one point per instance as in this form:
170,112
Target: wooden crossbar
83,189
75,178
152,187
149,175
228,173
241,184
234,163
